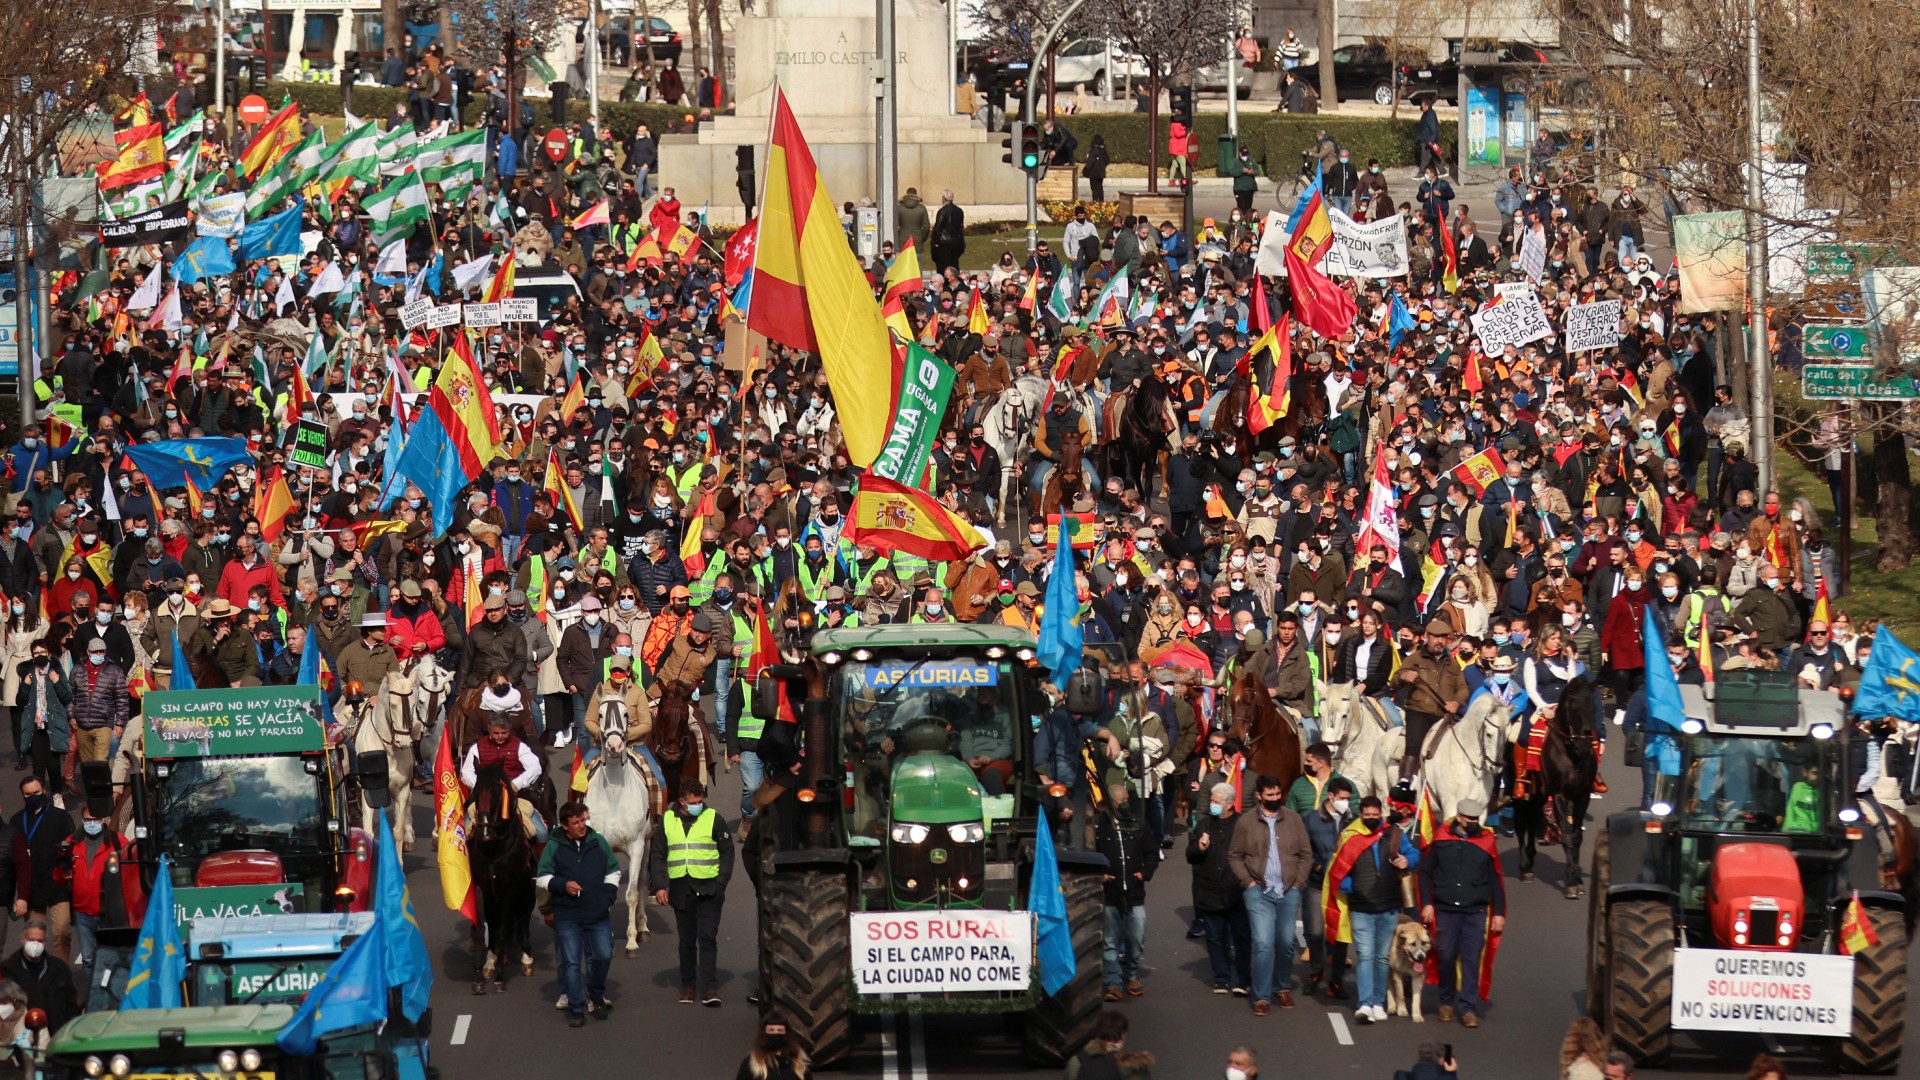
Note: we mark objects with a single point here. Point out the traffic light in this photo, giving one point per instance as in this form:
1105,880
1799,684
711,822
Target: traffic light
257,71
350,69
1030,147
1180,103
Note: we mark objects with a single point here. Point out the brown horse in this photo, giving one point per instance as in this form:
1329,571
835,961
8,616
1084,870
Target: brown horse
1569,759
1273,743
1067,482
1900,860
678,739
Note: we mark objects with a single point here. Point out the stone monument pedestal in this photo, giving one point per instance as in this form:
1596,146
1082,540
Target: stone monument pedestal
821,52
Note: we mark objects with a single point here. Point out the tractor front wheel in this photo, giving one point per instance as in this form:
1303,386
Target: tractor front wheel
1061,1024
1639,964
1879,999
808,960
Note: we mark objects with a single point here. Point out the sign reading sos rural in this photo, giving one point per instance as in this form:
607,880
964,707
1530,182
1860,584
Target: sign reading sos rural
942,952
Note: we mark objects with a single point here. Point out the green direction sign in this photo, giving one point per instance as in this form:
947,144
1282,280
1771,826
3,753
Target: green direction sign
1840,341
1845,260
1830,382
227,723
236,901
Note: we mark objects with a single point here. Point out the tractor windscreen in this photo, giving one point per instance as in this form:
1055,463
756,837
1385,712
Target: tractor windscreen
1753,785
894,708
204,806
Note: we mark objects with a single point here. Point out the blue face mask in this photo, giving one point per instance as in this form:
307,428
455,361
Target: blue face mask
1501,678
1502,639
1216,809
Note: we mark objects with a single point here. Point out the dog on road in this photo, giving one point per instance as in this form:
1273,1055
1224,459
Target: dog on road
1407,967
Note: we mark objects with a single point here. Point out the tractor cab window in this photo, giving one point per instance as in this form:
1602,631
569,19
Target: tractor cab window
1753,785
205,806
897,708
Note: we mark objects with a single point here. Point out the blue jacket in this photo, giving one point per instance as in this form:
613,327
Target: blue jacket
1056,747
588,861
509,164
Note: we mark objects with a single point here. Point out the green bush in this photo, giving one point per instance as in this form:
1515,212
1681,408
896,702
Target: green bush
1276,140
1363,137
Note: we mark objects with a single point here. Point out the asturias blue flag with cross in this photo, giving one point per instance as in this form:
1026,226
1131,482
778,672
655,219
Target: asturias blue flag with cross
1061,638
1048,902
1890,684
170,463
353,992
408,968
159,959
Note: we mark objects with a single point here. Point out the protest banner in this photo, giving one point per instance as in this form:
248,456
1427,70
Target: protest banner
1514,321
1593,326
1372,249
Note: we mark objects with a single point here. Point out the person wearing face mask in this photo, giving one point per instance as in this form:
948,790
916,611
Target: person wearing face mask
98,709
1271,857
1221,911
1362,890
1464,899
693,882
1621,648
657,572
102,893
1766,615
1431,688
1324,825
36,969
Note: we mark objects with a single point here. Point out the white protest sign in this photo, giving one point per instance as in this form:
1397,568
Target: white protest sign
482,315
1533,253
1514,321
1593,326
1271,259
935,952
444,315
1504,289
520,309
1775,993
416,313
1373,249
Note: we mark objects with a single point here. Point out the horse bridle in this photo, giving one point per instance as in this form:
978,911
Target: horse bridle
1487,757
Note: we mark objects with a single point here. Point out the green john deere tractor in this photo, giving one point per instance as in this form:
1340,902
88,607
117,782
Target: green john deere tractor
905,885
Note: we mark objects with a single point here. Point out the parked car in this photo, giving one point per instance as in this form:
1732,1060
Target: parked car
1360,73
994,68
1088,62
616,39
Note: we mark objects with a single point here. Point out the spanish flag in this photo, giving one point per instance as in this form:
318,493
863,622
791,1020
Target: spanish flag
1856,928
1449,258
276,136
575,398
1671,438
1313,235
890,516
691,554
977,321
903,277
810,293
1354,841
1820,608
555,486
143,156
501,286
272,501
1471,379
450,818
465,407
1480,471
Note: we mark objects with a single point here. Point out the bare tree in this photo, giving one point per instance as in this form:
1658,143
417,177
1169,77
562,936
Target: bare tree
1667,101
507,31
1169,41
1410,31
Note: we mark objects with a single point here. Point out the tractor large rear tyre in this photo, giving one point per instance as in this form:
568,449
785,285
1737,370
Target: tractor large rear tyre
1060,1025
1879,999
1639,956
1600,880
809,960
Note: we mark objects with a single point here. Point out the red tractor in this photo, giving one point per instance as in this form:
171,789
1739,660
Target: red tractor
1749,897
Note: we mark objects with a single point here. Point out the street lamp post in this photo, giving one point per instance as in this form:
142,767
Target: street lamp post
1760,369
1026,114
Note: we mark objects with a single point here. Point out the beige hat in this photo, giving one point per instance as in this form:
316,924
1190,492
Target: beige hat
219,609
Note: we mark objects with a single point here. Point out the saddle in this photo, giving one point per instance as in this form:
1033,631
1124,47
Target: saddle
1114,413
1874,816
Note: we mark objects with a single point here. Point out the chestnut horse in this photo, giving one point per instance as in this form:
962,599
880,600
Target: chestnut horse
1067,483
678,740
1272,739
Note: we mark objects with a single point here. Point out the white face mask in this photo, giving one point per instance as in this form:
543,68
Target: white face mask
1338,806
34,949
1236,1074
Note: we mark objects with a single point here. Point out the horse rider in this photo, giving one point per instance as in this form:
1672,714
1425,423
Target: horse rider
983,378
1126,365
1501,685
1187,390
517,761
1432,689
618,702
1049,441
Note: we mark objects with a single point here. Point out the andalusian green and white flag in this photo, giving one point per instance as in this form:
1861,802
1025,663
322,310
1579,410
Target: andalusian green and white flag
355,157
128,201
456,163
288,175
396,150
179,179
189,128
397,208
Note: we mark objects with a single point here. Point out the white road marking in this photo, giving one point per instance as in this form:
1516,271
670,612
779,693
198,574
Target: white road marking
1340,1033
917,1045
889,1054
460,1026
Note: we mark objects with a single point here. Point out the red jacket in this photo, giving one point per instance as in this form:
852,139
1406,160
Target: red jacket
237,580
424,625
89,871
1626,621
61,593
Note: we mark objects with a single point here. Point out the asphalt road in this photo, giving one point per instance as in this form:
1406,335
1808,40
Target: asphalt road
1538,988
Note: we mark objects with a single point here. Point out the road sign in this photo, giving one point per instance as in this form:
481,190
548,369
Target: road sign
1845,260
253,109
1834,300
1839,341
1835,382
556,144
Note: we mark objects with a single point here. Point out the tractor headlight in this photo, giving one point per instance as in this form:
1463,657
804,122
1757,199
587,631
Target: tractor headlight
910,833
93,1066
1849,814
967,832
1692,726
227,1060
250,1059
1025,653
1661,809
1821,731
121,1065
831,659
863,655
995,652
1739,926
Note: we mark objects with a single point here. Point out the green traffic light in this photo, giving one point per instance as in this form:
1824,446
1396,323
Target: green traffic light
1030,160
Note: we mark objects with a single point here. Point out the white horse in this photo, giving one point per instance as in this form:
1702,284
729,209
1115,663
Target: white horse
1463,758
379,722
1367,741
1009,424
620,797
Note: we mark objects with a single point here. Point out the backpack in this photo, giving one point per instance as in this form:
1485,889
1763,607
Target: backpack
1343,433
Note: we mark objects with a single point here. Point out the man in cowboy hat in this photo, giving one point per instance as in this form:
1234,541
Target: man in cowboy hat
369,660
1430,688
230,649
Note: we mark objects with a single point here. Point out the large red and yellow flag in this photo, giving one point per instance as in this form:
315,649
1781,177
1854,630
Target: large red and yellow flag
276,137
1313,235
555,485
450,818
143,156
810,293
465,406
501,287
1321,305
1480,471
272,501
692,555
891,516
977,321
